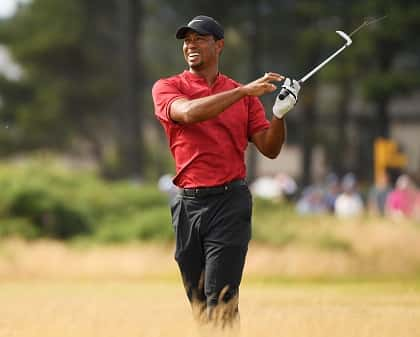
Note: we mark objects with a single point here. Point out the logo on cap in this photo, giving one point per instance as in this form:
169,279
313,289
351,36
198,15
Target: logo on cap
192,21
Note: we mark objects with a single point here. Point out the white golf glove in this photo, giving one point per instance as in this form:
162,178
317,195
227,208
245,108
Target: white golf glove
282,106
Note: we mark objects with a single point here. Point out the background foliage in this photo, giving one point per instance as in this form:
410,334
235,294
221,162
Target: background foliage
87,68
43,198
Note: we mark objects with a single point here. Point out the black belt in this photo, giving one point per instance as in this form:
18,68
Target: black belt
206,191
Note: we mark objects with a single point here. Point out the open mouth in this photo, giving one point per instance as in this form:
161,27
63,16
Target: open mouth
193,56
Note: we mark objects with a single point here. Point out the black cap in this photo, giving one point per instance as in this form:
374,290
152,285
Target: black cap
203,25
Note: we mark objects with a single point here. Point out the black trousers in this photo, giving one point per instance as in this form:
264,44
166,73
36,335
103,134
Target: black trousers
212,229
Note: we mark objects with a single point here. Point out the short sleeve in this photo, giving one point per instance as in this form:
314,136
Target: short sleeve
164,93
256,120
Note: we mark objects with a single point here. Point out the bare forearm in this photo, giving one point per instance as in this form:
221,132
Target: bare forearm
201,109
270,141
204,108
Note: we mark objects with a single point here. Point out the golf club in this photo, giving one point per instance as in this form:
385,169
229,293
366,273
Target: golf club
284,91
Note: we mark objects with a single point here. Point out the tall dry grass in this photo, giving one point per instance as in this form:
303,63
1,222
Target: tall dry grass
324,250
46,259
343,249
102,309
51,289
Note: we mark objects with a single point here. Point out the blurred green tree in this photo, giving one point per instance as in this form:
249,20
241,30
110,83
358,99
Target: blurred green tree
80,80
43,45
130,145
88,67
311,21
393,60
381,65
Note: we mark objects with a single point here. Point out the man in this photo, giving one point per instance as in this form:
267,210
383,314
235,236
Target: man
209,119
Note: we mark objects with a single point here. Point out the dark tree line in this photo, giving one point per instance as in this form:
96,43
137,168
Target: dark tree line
88,67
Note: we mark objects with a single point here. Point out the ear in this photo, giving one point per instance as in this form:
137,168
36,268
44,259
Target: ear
220,44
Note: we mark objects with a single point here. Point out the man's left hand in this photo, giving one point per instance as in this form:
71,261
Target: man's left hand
283,106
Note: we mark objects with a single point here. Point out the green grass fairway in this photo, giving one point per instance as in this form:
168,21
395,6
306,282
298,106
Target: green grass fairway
135,308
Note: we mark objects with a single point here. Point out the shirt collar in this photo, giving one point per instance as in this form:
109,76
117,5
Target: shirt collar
196,78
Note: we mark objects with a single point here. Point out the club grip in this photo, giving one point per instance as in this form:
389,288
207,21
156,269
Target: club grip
283,93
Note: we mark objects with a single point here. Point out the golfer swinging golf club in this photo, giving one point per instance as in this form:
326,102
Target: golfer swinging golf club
209,119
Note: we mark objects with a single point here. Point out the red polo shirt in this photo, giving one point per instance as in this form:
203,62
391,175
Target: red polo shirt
208,153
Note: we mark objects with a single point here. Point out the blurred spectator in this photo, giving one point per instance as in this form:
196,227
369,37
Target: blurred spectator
287,185
401,201
349,203
266,187
416,211
378,195
278,187
312,201
332,190
166,185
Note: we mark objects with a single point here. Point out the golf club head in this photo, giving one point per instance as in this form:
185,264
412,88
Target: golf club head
345,37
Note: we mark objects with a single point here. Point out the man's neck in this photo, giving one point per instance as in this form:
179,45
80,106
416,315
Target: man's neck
210,75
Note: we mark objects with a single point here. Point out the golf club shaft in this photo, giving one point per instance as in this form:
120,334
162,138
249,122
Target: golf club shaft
284,91
321,65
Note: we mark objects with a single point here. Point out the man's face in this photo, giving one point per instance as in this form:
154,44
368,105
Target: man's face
201,51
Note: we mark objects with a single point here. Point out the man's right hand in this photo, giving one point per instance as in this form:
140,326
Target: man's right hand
262,85
196,110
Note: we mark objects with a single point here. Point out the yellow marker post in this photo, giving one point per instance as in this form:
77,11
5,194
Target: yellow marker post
386,155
